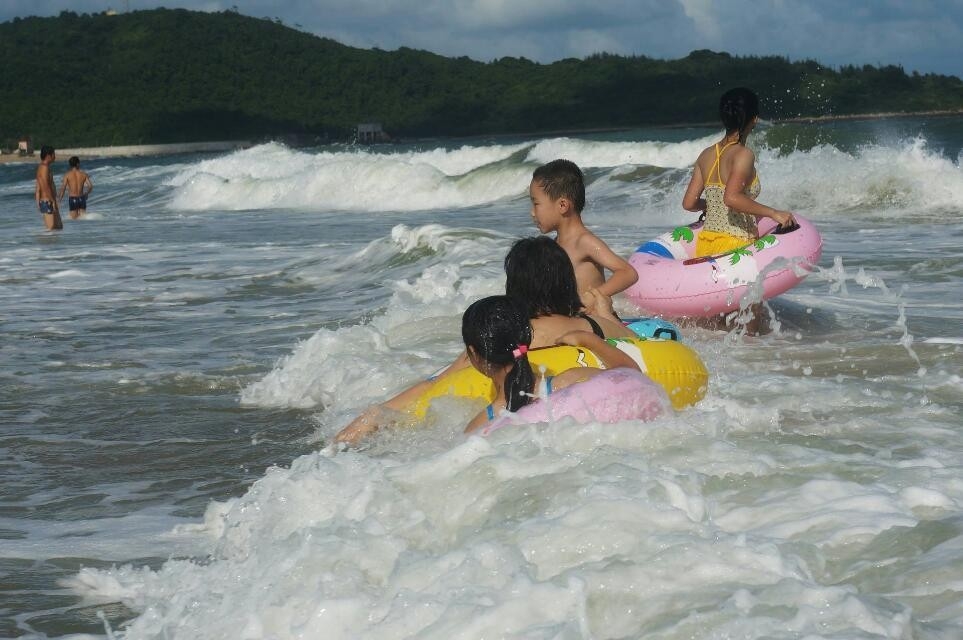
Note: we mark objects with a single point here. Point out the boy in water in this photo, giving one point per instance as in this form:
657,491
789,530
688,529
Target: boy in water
45,191
80,186
558,196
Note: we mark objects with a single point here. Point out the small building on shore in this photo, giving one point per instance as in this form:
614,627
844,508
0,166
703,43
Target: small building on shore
24,146
369,132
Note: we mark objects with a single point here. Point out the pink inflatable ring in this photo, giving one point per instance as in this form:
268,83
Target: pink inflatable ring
611,396
675,284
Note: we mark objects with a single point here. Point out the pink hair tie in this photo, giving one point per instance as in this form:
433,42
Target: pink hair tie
520,351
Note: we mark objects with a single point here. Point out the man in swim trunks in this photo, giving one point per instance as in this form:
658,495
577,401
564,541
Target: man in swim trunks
79,185
45,192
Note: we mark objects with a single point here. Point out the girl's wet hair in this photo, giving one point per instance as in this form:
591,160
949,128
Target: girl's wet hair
737,108
495,327
540,275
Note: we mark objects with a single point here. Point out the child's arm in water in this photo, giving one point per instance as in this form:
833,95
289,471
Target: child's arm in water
378,415
479,421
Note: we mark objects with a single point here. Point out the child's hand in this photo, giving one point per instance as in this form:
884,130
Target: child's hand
361,427
603,305
596,302
588,300
354,433
783,218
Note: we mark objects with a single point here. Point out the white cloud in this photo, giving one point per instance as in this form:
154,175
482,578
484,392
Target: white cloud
506,14
703,16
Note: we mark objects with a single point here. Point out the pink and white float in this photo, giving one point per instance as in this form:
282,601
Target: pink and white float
674,283
613,395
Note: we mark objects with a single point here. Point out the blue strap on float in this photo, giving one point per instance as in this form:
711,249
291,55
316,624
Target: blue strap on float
656,249
653,328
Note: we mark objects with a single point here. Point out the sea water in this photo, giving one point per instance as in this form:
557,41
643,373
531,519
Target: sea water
173,367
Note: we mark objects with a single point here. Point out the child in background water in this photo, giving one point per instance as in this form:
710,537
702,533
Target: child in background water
497,337
78,186
557,191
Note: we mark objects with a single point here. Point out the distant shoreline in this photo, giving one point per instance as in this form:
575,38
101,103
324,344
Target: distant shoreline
885,115
709,124
233,145
882,115
131,151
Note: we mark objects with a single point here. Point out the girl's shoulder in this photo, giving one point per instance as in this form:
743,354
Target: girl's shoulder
739,157
738,152
707,155
549,328
706,159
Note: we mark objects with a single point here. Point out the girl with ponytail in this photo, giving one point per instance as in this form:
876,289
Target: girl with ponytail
498,336
724,183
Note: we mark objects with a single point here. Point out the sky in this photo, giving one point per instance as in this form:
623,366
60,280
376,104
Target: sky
919,35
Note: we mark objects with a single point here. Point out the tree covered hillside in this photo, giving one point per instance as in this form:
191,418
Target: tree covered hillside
177,76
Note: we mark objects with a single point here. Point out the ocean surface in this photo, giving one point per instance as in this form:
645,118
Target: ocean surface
173,367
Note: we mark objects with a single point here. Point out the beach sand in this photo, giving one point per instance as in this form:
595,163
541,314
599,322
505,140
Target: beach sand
8,158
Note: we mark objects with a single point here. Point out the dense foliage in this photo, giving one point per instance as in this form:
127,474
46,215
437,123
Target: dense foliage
177,76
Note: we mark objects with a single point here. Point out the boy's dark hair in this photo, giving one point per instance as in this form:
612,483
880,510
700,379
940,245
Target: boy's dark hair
74,161
46,150
495,327
562,178
540,275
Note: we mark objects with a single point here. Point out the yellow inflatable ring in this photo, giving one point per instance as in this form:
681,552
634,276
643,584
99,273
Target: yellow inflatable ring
673,365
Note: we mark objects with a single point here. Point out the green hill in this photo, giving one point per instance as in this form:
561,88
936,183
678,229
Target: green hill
179,76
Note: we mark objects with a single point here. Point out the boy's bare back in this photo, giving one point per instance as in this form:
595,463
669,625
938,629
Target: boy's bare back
75,179
582,247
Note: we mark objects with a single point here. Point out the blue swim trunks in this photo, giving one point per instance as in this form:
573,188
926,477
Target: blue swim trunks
78,202
46,206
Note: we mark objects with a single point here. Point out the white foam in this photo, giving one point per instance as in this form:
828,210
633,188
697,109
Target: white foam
535,529
67,273
418,333
144,534
820,181
824,179
593,154
272,176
